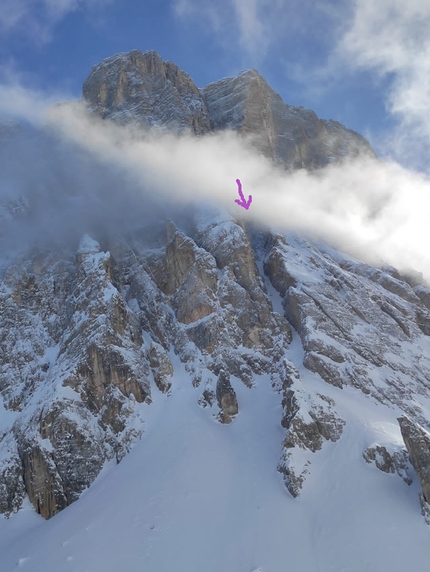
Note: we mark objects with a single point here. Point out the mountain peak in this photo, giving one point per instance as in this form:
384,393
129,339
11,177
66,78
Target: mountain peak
141,88
144,90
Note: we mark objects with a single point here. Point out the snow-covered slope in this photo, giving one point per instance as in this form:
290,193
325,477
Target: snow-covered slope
205,487
198,495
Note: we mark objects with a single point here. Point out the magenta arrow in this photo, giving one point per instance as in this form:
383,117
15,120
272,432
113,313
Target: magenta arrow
242,202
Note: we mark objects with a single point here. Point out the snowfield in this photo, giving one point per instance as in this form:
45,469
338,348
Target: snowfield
198,496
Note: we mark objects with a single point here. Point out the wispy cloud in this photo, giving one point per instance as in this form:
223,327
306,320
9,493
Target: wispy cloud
16,101
374,210
253,30
252,26
36,18
93,174
391,39
298,35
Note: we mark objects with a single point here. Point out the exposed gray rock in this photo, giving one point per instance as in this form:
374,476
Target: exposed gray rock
324,425
89,311
293,479
417,442
394,462
308,429
12,488
142,89
356,323
293,136
424,295
291,408
275,267
161,366
207,398
42,481
193,279
241,290
322,364
425,509
83,343
226,397
61,459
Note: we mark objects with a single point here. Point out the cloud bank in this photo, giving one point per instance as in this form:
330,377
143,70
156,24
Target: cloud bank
82,174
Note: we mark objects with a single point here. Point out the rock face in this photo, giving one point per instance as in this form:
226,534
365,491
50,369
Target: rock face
290,135
394,462
310,422
142,89
226,397
83,335
359,325
161,367
417,442
100,324
83,359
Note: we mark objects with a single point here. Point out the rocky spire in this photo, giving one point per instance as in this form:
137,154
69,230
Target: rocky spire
142,88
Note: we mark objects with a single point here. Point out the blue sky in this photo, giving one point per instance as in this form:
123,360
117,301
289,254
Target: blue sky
361,62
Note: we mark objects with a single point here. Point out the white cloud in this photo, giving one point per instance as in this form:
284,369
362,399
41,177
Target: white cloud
20,103
374,210
183,8
391,38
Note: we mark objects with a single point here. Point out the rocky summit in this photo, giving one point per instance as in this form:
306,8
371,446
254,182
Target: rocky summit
90,336
143,90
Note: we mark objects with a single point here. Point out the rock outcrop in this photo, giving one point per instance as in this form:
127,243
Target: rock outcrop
75,381
310,422
292,136
141,88
83,334
357,324
389,462
417,442
226,397
161,367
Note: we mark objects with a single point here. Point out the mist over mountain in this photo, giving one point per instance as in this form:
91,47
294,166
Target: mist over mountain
261,376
